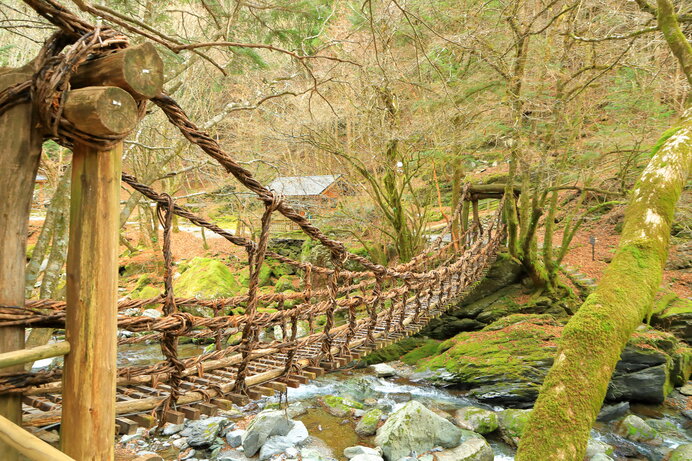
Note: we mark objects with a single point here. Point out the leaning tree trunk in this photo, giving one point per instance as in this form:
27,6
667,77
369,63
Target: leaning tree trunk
592,341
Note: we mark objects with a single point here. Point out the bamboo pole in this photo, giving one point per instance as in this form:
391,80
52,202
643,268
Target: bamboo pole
28,444
88,413
20,150
20,357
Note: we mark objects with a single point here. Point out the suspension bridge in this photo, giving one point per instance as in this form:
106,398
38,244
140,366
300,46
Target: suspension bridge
87,89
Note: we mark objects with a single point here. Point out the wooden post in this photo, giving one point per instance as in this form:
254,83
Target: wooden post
88,414
20,150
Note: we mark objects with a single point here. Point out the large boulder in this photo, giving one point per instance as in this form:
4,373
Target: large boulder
673,314
476,449
279,443
506,362
635,429
369,422
415,428
341,407
206,278
265,425
202,433
512,423
682,453
476,419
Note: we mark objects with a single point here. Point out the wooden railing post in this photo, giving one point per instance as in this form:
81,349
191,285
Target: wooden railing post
20,150
88,412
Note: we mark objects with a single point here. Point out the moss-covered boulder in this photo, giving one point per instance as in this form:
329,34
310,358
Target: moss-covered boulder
634,428
340,406
512,423
206,278
414,427
284,283
476,419
394,351
506,362
369,422
681,453
265,275
674,314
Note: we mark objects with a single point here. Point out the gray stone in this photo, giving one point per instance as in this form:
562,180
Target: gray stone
601,457
686,389
415,428
595,447
231,455
180,444
297,409
170,429
369,422
382,370
471,450
310,454
203,432
265,425
153,313
611,412
682,453
280,443
476,419
235,438
352,452
634,428
366,458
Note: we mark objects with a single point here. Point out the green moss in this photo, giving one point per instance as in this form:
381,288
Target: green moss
30,250
513,422
428,349
265,275
207,278
284,283
340,406
394,351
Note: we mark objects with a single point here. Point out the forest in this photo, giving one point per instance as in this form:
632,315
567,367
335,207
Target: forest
323,230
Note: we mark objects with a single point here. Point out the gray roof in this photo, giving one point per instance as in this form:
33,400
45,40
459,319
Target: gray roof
302,185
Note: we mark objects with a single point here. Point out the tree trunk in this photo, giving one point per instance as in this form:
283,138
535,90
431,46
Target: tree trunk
592,341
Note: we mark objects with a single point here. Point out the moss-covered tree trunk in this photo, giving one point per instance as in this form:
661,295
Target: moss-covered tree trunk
574,389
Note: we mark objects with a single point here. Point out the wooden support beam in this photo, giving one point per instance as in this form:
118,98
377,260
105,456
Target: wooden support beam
174,417
126,426
207,408
20,151
28,444
238,399
9,359
277,386
137,70
89,378
190,413
101,110
222,403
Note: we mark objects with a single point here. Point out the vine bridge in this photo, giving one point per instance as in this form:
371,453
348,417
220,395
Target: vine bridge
351,305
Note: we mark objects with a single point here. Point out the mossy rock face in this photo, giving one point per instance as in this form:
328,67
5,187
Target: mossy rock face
429,348
265,275
682,453
512,424
476,419
674,314
369,422
506,362
284,283
340,406
634,428
514,352
394,351
206,278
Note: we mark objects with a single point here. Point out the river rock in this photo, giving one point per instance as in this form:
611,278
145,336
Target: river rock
682,453
170,429
635,429
366,458
415,428
595,447
476,449
611,412
369,422
280,443
512,423
476,419
686,389
340,406
600,457
203,432
265,425
235,438
382,370
352,452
